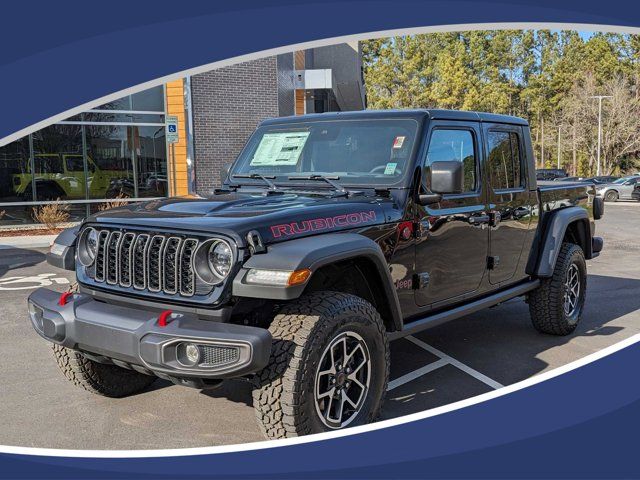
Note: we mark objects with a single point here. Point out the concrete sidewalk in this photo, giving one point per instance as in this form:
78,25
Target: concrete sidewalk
27,241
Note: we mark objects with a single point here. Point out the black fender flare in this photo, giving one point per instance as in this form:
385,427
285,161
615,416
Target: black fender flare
314,253
553,228
65,257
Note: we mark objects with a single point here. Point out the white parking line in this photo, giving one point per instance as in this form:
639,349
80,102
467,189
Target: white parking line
416,373
452,361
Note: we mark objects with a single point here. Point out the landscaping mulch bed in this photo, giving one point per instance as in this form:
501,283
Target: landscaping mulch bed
35,231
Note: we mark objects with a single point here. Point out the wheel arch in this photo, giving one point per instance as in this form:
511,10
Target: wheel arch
328,257
571,225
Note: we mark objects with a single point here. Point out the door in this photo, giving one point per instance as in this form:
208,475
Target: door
626,189
510,201
451,251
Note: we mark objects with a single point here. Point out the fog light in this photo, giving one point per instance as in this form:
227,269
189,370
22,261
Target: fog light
193,353
188,354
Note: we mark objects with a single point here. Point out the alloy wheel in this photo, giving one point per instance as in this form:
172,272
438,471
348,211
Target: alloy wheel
571,290
342,380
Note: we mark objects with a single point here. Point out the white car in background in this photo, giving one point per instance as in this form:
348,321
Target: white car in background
620,189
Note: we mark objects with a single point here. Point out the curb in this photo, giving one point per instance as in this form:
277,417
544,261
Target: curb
27,241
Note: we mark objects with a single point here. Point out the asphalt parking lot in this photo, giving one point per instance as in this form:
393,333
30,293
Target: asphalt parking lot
463,358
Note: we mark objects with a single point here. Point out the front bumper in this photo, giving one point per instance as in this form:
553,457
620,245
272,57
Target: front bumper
133,338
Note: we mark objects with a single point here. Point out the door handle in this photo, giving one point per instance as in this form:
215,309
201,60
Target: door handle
479,219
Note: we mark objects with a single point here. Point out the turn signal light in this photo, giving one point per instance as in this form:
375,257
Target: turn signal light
298,277
277,278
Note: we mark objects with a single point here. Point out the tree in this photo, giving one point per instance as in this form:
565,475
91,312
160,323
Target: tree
544,76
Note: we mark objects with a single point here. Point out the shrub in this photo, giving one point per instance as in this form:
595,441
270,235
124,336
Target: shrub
118,201
52,214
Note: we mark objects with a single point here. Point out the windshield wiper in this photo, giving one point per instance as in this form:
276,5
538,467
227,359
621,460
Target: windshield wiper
272,186
330,180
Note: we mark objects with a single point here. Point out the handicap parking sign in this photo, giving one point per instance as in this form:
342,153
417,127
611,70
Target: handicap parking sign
172,128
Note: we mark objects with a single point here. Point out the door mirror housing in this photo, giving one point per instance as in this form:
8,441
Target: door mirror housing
224,172
446,177
443,177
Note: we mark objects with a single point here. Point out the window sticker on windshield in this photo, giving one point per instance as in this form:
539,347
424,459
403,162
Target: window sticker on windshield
279,149
390,169
397,143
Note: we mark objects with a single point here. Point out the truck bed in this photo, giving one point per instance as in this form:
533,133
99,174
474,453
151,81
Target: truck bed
554,195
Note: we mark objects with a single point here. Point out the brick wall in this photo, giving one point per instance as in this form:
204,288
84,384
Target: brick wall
228,104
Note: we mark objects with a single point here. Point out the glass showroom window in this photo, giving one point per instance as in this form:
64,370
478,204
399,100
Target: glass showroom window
117,150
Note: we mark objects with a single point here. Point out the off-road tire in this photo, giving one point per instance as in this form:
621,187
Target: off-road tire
546,303
611,196
99,378
283,396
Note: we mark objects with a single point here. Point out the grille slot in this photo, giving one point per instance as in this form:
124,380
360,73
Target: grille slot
101,256
140,262
156,263
111,261
187,273
126,257
170,266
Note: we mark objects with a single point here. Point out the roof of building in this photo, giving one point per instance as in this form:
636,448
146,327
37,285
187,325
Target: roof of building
435,114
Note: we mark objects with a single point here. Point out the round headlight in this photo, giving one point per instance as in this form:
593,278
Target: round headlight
88,246
220,258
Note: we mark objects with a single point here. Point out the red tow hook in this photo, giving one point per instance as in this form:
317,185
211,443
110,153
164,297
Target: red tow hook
65,298
162,318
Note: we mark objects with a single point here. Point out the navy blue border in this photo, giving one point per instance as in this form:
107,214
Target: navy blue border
582,424
58,55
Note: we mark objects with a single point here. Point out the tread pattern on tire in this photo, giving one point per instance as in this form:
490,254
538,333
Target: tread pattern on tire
99,378
546,303
279,397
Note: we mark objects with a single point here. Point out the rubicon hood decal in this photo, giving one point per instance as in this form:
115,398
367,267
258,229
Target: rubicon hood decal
319,224
277,218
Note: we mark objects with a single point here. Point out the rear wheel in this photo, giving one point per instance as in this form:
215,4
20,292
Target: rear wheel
329,367
556,305
99,378
611,196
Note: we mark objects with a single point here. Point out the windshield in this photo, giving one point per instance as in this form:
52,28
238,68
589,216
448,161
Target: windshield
358,152
622,180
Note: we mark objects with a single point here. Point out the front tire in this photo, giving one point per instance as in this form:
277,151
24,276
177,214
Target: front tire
556,305
329,367
99,378
611,196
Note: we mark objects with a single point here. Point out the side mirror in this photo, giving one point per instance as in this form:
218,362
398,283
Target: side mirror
447,177
443,177
224,172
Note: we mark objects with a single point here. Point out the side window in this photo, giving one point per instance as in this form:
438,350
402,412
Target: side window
504,160
457,145
48,164
74,163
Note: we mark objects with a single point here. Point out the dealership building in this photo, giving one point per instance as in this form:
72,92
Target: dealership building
120,149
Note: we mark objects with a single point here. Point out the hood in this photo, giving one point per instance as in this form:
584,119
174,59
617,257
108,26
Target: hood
276,217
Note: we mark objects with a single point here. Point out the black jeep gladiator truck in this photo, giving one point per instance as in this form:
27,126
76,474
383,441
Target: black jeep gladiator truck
331,235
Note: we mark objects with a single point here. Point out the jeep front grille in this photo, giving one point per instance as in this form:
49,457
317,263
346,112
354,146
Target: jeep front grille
156,263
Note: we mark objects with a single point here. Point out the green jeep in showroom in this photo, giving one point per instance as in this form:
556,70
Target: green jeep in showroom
61,175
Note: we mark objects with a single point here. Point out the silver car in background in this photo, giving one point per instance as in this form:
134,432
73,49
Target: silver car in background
620,189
